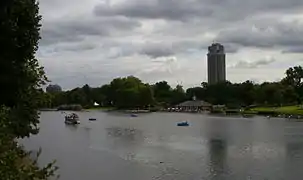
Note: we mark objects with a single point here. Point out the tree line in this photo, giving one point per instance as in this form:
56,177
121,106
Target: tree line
131,92
128,92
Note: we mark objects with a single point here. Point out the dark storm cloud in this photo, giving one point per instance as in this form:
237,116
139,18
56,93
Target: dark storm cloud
157,51
234,19
186,10
153,9
121,17
266,35
170,48
75,30
164,49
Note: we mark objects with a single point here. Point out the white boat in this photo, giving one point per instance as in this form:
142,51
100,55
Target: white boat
72,119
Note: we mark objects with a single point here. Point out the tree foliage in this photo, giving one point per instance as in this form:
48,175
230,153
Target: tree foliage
21,78
20,74
131,92
15,163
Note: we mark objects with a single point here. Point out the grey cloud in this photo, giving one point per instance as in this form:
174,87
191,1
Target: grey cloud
75,74
53,36
170,28
73,30
165,60
157,50
170,48
154,50
293,49
231,48
264,62
253,64
265,35
151,50
154,9
227,10
75,47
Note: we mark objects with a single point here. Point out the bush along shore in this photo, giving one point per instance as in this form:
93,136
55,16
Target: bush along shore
15,162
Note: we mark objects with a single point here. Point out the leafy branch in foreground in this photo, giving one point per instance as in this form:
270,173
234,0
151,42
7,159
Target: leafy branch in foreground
14,161
21,78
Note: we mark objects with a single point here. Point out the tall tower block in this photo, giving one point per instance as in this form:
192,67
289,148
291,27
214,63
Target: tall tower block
216,66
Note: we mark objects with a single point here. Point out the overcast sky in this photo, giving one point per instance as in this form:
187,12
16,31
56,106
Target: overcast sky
94,41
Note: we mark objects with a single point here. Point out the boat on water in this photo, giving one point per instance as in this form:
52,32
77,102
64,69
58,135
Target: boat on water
134,115
185,123
92,119
72,119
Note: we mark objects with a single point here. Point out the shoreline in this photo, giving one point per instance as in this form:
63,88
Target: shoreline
289,112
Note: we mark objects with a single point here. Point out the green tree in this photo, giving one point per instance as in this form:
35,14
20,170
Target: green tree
162,92
294,76
88,96
105,95
178,95
21,78
146,95
270,93
129,92
76,96
246,93
289,95
45,99
198,92
220,93
20,74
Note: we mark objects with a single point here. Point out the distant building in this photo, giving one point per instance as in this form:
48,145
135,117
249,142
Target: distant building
216,66
53,88
194,106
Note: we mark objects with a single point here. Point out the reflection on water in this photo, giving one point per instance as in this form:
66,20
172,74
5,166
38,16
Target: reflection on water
218,153
294,157
151,146
294,150
125,134
72,127
125,142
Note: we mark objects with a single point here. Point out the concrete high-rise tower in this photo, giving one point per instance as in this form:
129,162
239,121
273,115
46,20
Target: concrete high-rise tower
216,63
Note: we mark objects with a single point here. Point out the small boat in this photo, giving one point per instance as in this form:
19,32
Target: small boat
72,119
134,115
92,119
185,123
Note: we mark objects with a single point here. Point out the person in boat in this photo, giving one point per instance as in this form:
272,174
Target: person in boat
74,115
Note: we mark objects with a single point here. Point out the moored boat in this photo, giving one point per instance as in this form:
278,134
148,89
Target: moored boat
134,115
72,119
185,123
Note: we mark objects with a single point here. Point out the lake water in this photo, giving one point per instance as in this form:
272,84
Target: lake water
152,147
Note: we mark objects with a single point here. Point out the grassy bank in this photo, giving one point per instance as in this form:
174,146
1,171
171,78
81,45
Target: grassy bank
288,110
